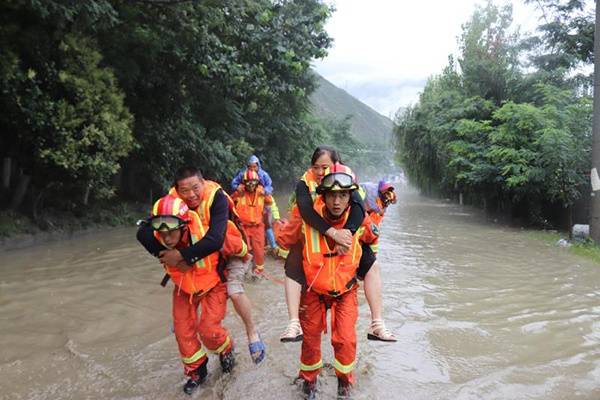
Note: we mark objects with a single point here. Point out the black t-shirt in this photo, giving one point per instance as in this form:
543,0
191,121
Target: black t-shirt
311,217
211,242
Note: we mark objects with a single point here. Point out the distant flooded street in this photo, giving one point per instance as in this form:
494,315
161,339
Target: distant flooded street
481,311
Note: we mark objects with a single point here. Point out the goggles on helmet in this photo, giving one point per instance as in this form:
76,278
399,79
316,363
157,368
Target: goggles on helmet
341,179
251,182
166,222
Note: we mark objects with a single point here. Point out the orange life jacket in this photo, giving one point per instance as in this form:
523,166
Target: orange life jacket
311,182
250,206
328,272
377,217
203,275
235,243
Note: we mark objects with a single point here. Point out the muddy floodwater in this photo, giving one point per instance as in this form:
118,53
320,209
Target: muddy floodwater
482,311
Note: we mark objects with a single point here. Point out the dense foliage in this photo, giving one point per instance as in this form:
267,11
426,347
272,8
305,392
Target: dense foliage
509,122
99,95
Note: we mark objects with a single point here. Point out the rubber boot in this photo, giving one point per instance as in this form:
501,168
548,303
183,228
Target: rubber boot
343,392
197,378
227,361
309,390
271,238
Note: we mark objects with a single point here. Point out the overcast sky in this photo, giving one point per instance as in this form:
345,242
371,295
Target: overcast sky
384,50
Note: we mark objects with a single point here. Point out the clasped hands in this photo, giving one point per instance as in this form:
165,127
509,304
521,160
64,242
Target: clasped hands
174,258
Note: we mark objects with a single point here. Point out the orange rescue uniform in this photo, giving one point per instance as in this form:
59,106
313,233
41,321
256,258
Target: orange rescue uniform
311,182
250,208
331,281
202,286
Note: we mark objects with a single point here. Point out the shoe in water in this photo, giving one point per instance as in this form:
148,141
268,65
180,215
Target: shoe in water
197,378
378,331
293,332
344,389
257,350
274,251
309,390
227,361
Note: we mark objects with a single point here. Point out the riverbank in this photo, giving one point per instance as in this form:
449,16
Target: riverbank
18,231
586,248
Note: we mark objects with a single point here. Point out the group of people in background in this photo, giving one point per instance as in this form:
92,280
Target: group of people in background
207,239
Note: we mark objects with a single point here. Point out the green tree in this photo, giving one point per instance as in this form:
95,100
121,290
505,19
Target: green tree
90,129
66,127
565,37
497,134
489,53
237,77
208,84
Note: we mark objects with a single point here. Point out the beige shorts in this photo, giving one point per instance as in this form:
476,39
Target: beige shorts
236,269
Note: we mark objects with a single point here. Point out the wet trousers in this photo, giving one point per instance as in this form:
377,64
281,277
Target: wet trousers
192,330
256,241
344,313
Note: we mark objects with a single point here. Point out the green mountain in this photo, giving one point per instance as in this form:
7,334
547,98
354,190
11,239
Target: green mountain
368,125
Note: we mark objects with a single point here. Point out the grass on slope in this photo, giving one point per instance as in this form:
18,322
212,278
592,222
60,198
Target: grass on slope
587,249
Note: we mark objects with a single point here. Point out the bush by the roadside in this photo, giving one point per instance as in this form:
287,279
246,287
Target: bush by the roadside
12,223
116,214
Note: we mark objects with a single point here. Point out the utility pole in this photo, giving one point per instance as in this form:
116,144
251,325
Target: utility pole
595,179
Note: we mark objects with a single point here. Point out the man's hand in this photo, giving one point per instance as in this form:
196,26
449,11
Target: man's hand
342,237
341,249
182,266
170,257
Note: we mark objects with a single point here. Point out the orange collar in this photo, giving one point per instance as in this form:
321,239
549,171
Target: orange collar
311,176
381,206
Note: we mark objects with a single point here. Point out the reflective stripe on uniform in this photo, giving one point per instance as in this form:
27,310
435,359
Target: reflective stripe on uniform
313,190
197,355
344,369
205,205
315,243
321,260
310,184
274,208
356,239
283,253
196,237
223,346
362,193
244,250
250,206
313,367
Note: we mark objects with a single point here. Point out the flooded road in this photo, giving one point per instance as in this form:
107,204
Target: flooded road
481,311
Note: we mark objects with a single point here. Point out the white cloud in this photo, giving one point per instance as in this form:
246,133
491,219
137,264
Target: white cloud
384,50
